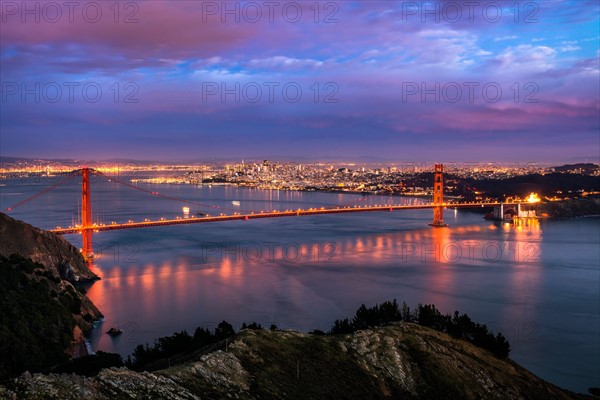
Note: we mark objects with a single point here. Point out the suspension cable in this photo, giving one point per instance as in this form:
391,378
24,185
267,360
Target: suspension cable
42,192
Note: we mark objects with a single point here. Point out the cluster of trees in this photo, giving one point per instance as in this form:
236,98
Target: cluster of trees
179,342
457,325
182,342
36,321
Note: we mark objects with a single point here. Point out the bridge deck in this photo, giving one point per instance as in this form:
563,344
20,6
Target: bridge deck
272,214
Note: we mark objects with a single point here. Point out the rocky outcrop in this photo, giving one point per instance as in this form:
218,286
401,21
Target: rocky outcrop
403,361
46,248
418,362
78,347
110,384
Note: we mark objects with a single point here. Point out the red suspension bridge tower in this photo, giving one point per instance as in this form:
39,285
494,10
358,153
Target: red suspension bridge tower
86,213
438,197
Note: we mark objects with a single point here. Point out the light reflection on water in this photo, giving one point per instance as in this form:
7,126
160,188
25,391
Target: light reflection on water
537,282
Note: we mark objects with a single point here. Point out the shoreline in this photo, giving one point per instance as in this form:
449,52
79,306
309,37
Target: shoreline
332,190
388,194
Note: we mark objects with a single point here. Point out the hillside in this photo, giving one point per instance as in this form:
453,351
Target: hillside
46,248
570,208
403,360
544,185
44,312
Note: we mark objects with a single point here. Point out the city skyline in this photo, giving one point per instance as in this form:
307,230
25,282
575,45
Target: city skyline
301,81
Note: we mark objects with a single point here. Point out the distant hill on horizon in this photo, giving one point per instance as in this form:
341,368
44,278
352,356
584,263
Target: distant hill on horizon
10,159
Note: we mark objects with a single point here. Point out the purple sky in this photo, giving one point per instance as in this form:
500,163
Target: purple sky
368,80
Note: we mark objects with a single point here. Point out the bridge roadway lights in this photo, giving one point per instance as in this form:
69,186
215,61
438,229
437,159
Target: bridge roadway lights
102,227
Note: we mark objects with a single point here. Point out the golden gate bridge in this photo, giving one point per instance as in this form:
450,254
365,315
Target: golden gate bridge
88,227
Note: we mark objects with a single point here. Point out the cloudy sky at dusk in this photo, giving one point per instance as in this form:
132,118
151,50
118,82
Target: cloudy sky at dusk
342,80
